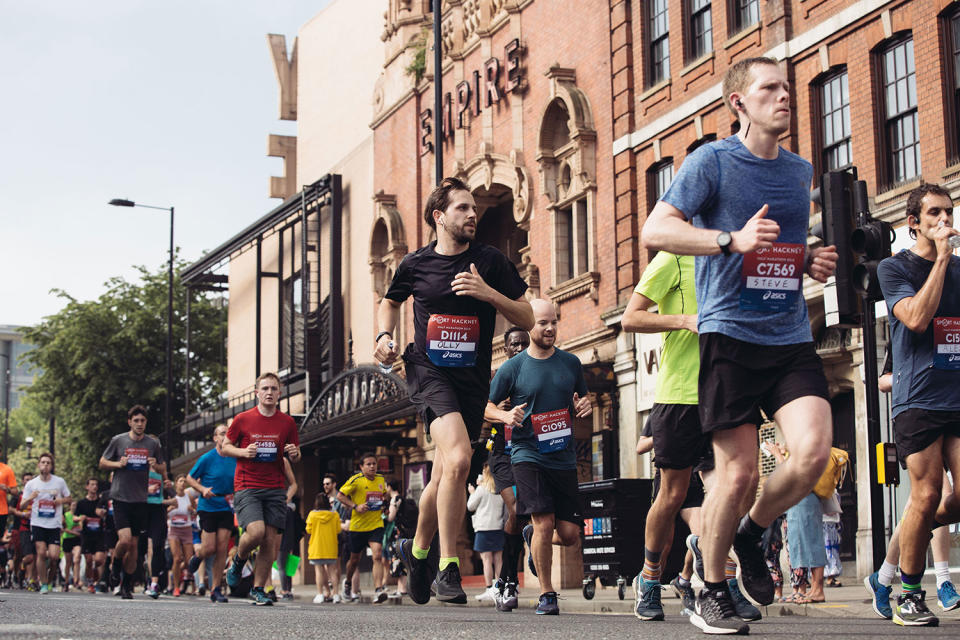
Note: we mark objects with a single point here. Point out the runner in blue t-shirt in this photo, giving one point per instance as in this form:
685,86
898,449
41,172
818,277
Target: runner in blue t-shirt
547,390
212,476
742,207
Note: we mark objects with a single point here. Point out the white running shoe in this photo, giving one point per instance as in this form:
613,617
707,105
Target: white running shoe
318,599
487,594
336,598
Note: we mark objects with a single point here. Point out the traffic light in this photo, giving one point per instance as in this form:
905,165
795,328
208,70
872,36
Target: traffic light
840,300
872,239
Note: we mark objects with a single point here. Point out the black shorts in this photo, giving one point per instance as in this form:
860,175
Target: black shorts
358,540
131,515
543,490
694,497
916,429
738,379
93,543
268,506
156,528
69,544
678,440
212,521
27,547
502,470
436,394
48,536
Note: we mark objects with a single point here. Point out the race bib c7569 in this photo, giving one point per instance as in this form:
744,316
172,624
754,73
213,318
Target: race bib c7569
946,343
770,278
452,340
553,430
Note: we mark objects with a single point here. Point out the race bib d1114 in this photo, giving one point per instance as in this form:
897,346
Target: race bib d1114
770,278
452,340
946,343
553,430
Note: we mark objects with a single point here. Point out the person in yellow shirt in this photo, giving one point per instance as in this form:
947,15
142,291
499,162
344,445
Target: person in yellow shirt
365,494
323,525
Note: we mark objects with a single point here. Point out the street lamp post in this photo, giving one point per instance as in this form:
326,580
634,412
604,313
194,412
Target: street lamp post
6,407
119,202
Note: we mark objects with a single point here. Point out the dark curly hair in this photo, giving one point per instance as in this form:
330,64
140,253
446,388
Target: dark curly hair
440,197
915,201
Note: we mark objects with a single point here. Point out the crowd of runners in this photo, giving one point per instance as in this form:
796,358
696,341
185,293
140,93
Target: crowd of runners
725,290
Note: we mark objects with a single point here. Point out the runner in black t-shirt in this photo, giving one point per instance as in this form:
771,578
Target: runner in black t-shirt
458,286
92,513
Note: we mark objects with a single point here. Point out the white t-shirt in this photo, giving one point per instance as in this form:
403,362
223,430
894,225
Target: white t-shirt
43,512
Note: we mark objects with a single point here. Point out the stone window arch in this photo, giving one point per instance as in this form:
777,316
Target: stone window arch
388,244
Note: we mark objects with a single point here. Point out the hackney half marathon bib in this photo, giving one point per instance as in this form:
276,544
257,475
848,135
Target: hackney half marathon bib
137,458
153,486
770,279
946,342
180,520
552,429
374,500
452,340
266,449
46,507
91,524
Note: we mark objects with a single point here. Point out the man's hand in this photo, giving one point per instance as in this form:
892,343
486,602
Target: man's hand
250,451
361,508
386,351
582,405
293,451
513,417
942,240
151,461
469,283
207,493
122,462
690,323
822,263
756,234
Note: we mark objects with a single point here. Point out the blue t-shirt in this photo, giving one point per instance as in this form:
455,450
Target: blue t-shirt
215,471
922,373
720,186
547,386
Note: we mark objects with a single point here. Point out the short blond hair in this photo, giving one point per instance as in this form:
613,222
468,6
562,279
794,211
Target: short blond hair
264,376
738,77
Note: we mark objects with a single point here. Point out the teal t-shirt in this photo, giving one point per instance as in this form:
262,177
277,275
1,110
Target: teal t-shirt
154,488
547,386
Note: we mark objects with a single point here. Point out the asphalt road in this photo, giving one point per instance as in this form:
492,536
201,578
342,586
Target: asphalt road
79,616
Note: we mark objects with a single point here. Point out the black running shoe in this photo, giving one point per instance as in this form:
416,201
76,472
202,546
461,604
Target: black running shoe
115,577
193,565
527,534
693,543
507,598
912,611
715,613
447,585
752,571
419,572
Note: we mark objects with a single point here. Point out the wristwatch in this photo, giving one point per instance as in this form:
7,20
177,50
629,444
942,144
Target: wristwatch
380,335
724,239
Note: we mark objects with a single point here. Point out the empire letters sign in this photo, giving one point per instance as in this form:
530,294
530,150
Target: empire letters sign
483,87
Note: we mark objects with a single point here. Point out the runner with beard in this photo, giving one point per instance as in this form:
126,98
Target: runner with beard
458,287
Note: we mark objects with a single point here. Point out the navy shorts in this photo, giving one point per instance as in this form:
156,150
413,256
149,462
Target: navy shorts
359,540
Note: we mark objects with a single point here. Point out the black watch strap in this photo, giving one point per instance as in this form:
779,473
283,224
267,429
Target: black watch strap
380,335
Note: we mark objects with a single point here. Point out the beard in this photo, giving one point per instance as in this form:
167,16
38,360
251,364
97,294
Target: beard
544,342
461,235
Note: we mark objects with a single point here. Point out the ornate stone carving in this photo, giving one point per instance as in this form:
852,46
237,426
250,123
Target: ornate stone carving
487,168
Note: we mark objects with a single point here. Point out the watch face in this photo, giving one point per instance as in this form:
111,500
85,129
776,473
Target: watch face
724,239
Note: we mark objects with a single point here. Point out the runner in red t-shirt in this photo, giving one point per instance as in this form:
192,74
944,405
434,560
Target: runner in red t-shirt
259,438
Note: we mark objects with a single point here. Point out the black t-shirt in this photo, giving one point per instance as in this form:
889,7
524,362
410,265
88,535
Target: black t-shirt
93,524
453,333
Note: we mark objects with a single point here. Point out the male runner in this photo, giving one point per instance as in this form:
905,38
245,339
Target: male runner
515,340
212,476
46,494
921,286
91,514
458,287
742,206
364,493
130,456
24,550
259,438
679,443
8,489
546,390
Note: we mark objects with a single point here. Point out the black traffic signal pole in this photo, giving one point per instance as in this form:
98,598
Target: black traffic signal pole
437,93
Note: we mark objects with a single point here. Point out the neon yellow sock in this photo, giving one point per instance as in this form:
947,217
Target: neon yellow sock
444,562
420,554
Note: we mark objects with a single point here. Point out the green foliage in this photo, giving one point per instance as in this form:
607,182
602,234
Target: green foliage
102,356
418,66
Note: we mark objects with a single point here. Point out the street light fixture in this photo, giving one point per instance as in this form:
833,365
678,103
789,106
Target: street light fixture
120,202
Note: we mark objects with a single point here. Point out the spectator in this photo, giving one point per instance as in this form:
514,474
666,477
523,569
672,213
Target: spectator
490,513
323,527
831,540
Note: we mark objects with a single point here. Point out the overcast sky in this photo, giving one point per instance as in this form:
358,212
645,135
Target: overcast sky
165,103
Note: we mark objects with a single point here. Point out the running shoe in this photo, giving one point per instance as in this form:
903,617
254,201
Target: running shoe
272,594
693,543
715,613
506,599
447,585
286,596
234,573
336,598
879,595
380,596
194,564
202,590
318,599
126,593
912,611
548,605
260,598
115,577
752,570
420,572
354,597
44,589
176,592
745,609
91,589
153,591
216,596
686,595
947,596
528,537
646,599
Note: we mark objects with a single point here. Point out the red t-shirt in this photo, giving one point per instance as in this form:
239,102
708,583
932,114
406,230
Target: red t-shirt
265,471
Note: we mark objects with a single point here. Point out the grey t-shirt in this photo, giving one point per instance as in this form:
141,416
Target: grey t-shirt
130,483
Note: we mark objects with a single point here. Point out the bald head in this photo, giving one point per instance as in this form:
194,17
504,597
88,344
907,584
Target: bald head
544,332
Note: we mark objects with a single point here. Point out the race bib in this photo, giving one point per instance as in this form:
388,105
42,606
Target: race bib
770,278
179,520
507,437
137,458
452,340
46,508
229,500
154,485
266,451
946,343
553,430
91,524
374,500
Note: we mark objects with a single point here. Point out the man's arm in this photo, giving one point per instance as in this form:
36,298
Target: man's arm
113,464
917,311
199,488
668,229
638,319
292,486
347,502
232,450
388,313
